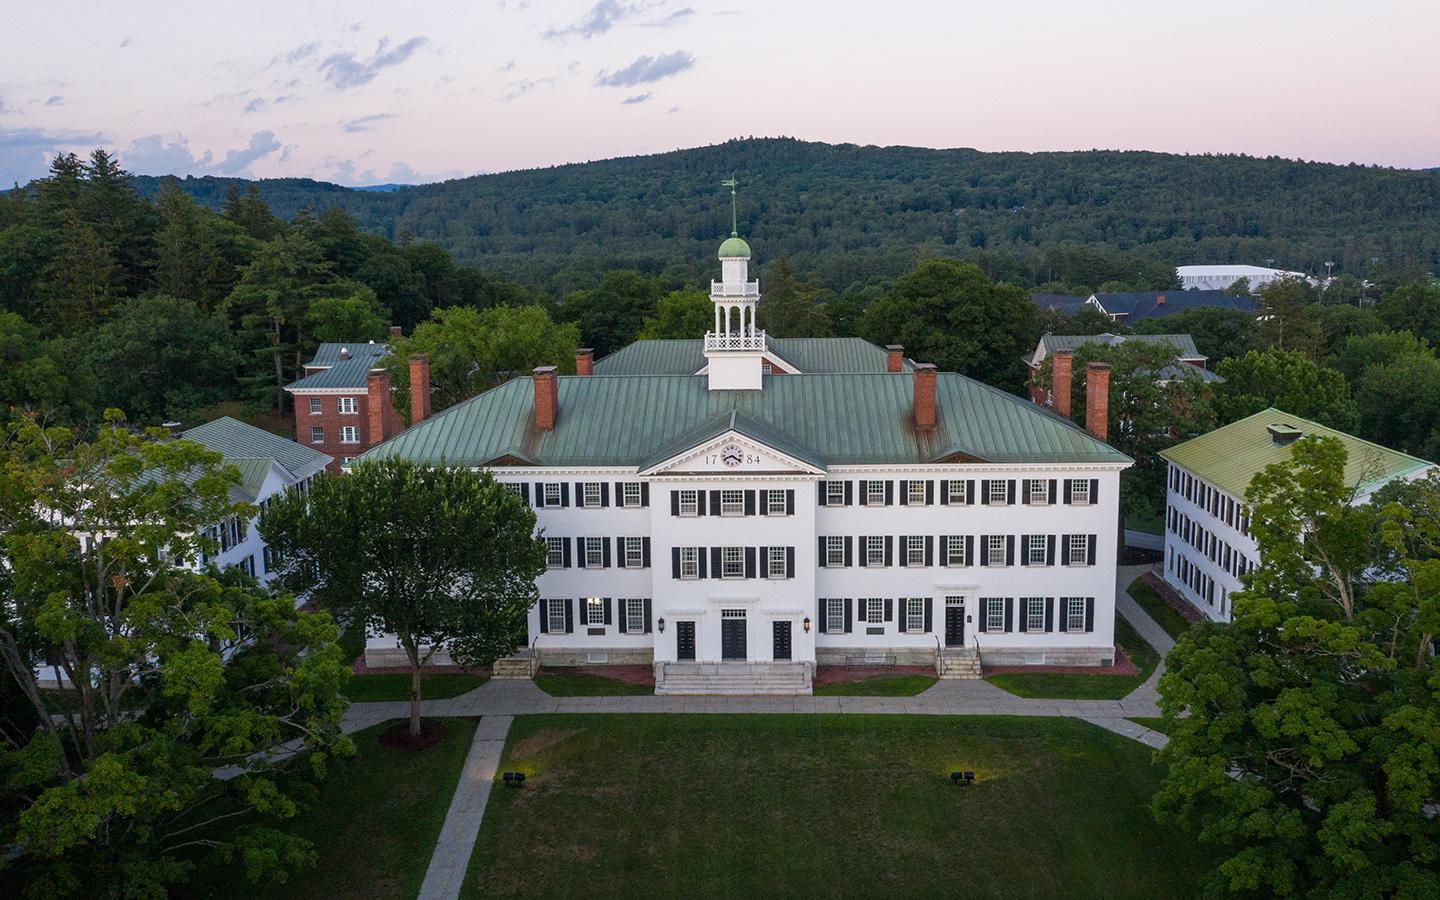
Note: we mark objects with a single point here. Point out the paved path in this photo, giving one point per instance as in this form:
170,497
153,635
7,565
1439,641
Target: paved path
451,858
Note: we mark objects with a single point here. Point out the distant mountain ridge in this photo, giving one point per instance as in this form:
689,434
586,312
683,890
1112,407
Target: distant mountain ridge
852,212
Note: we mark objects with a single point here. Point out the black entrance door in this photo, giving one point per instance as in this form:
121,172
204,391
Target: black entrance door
732,638
954,626
782,640
684,640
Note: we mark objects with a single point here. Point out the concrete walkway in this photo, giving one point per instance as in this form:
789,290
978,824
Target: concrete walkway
451,858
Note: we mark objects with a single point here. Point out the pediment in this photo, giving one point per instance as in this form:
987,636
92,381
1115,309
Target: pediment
733,453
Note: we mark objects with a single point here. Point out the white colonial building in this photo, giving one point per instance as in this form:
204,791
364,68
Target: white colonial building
739,504
1208,544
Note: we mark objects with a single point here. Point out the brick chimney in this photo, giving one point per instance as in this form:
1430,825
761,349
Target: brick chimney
585,361
377,399
1159,299
1097,399
396,331
1061,364
419,388
894,358
547,397
924,395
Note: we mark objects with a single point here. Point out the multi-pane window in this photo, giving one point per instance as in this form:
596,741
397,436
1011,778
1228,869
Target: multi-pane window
915,493
875,610
834,493
766,369
590,494
1035,550
1038,490
317,434
689,562
1034,613
775,562
874,551
1078,551
998,492
349,434
874,493
994,613
955,550
915,614
774,503
955,492
594,611
554,552
834,552
835,616
515,488
594,552
689,503
732,503
634,553
1074,613
635,616
630,495
732,562
317,406
914,550
556,614
347,406
996,549
1080,491
552,493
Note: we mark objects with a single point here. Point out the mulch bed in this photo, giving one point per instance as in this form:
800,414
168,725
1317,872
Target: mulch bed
840,674
398,737
359,668
1173,599
1123,666
627,674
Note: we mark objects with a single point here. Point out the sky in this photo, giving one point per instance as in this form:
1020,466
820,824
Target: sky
368,92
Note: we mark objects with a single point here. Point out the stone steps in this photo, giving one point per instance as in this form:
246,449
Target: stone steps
959,665
519,666
789,679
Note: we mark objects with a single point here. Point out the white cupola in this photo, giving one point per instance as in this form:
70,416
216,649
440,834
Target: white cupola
735,349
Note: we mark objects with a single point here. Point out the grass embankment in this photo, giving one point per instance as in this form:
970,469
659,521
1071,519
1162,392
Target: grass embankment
1055,686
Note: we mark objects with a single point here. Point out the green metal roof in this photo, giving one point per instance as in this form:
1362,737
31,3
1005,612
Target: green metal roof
341,372
839,419
235,440
734,247
1230,456
813,356
1184,344
328,354
742,424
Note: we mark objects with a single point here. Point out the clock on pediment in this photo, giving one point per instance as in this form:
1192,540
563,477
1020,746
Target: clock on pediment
732,455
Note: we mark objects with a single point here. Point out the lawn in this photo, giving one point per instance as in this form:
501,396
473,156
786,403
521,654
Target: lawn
577,685
373,822
1163,613
880,686
396,686
1043,685
827,805
1154,723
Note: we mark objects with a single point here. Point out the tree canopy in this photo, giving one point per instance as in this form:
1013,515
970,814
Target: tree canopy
1288,380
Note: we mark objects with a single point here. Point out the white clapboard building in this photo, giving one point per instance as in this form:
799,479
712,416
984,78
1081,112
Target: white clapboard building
736,509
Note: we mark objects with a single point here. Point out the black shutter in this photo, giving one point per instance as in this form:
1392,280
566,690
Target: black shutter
969,491
889,550
674,503
1009,549
1024,549
564,493
674,562
700,503
715,564
647,612
715,503
929,549
565,553
984,549
1049,614
789,562
580,553
620,561
889,493
749,503
929,605
700,562
764,561
1049,549
605,554
860,609
969,549
1009,615
985,491
1052,492
645,498
820,556
790,502
848,626
645,551
539,495
1010,492
821,609
569,615
608,621
524,491
945,493
822,490
904,492
1024,494
1067,492
930,493
889,609
1090,548
1064,549
605,493
1094,490
544,616
863,555
749,562
849,559
849,494
1089,614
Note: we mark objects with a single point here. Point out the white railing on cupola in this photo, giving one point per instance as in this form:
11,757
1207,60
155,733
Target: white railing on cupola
738,289
734,341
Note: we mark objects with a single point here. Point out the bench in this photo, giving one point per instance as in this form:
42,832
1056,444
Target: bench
870,661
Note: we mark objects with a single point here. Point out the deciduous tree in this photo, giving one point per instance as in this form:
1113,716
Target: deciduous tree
1288,380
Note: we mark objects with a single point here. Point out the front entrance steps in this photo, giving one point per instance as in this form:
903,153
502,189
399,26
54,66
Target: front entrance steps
518,666
734,677
958,663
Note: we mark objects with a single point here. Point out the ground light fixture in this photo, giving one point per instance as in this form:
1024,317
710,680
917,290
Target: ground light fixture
514,779
964,779
806,624
661,624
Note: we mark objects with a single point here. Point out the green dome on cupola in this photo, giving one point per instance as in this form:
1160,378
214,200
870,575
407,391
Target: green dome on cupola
734,247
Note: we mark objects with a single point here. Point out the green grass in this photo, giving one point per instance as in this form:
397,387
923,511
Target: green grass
880,686
1151,521
577,685
434,686
1047,686
373,823
826,806
1154,723
1163,613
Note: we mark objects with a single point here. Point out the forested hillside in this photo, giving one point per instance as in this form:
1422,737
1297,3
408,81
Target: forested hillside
857,214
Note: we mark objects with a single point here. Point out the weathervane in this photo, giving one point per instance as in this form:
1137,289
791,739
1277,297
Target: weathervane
730,183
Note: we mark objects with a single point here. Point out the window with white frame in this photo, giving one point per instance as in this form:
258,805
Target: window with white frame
955,492
552,493
915,493
914,550
1035,550
1074,613
349,434
775,503
996,549
766,369
555,610
689,562
994,614
874,551
1039,491
515,488
555,552
955,550
915,614
317,406
1034,613
1078,551
775,562
347,406
834,552
874,493
875,611
594,611
835,616
634,553
689,503
1080,491
732,562
630,494
732,503
635,615
999,492
590,494
594,552
317,434
834,493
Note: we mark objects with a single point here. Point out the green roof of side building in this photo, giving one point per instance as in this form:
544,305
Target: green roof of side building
245,445
812,356
828,419
1230,456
